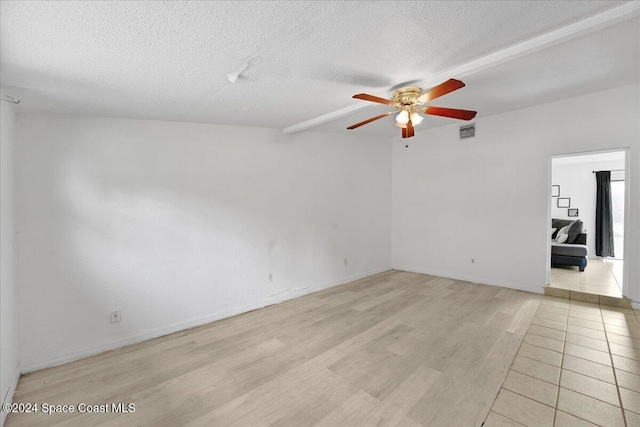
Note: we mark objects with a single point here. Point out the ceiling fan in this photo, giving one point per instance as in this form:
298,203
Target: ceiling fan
409,101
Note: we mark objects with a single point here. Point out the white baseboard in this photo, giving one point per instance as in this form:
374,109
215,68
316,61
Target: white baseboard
8,398
479,280
48,362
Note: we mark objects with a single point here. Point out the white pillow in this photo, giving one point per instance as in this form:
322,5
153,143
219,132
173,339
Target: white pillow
563,230
562,238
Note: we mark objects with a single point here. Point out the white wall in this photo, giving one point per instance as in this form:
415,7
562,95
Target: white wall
177,224
8,283
487,197
578,182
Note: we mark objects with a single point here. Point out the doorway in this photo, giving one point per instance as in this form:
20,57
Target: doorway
577,263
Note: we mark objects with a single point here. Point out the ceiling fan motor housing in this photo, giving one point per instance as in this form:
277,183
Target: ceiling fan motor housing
407,96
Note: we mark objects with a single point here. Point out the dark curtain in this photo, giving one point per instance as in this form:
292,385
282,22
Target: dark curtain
604,216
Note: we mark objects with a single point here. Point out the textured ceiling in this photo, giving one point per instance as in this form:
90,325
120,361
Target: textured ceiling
169,60
591,63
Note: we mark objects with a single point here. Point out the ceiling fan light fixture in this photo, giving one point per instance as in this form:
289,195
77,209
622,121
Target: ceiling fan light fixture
416,118
402,118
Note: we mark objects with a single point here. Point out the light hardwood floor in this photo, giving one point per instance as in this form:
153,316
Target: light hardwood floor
394,349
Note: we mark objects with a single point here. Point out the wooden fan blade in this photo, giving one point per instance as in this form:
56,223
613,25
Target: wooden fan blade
357,125
442,89
372,98
451,112
404,132
410,130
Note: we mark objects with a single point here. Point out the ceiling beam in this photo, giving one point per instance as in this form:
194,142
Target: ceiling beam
610,17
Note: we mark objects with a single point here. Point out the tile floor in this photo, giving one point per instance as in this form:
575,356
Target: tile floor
579,365
602,277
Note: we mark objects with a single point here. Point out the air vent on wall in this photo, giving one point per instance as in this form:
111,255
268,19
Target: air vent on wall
468,131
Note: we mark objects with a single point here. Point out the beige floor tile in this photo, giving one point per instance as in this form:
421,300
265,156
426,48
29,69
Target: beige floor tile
541,314
607,290
592,310
566,420
607,279
565,284
633,419
595,267
590,409
625,331
624,351
608,314
558,291
627,321
587,342
530,387
541,354
523,410
596,317
586,323
630,400
608,310
496,420
623,340
588,368
597,273
590,386
546,332
577,306
599,281
628,380
610,292
626,364
559,279
587,353
544,342
536,369
563,281
585,293
561,273
561,326
610,289
558,273
583,304
587,332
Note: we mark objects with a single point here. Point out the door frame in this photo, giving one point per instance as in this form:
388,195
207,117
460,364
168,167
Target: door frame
627,195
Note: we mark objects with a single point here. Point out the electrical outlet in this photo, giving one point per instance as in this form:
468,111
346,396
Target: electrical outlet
115,316
346,261
270,277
